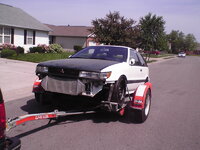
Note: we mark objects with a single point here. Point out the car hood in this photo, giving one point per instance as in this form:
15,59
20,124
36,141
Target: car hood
95,65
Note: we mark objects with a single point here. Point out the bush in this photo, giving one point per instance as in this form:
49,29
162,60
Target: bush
36,50
8,46
19,50
55,48
7,53
41,48
77,48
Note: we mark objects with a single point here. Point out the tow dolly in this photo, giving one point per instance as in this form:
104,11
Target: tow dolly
139,104
12,123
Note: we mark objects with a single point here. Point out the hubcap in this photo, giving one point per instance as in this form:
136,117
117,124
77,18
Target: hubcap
147,105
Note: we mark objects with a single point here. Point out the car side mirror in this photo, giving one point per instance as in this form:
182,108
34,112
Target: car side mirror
132,62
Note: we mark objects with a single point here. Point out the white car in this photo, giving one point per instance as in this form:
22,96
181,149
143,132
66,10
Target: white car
182,54
105,73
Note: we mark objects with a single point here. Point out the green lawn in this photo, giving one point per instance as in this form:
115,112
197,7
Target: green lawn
168,57
151,61
158,56
40,57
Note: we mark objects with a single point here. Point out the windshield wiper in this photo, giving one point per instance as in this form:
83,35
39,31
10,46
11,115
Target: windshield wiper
98,58
79,57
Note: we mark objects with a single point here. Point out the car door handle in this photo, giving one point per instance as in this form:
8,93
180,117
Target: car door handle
140,69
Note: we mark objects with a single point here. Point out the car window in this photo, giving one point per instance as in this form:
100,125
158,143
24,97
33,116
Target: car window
134,56
142,61
85,54
103,52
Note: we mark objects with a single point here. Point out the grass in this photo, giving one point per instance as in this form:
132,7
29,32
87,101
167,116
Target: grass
161,55
151,61
40,57
158,56
168,57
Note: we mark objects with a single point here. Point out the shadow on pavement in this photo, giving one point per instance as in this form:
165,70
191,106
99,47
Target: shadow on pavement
32,107
99,117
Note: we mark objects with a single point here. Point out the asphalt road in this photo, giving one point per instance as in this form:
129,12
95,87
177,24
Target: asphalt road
173,124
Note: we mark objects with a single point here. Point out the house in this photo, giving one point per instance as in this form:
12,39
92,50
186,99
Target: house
19,28
69,36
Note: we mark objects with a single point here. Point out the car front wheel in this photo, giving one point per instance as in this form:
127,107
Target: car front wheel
119,91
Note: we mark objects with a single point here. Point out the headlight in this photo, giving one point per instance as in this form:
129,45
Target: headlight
41,69
105,75
94,75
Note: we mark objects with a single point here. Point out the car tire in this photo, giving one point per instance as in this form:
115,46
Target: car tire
41,98
119,91
139,116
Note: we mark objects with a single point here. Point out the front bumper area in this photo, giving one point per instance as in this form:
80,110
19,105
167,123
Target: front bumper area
72,86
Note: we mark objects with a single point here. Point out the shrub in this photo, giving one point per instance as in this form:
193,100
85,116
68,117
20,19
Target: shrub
41,48
77,48
44,47
55,48
7,46
19,50
36,50
7,53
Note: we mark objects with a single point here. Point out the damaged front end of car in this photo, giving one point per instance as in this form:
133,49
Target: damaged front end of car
71,82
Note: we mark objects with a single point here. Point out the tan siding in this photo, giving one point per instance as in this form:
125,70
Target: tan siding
69,42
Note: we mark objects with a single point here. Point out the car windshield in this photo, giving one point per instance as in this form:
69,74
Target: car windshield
181,53
103,52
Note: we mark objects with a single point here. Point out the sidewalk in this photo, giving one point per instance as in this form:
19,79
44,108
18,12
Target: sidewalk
16,78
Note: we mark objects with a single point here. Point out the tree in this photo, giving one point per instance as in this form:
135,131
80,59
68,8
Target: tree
180,42
176,39
115,30
162,43
152,32
190,42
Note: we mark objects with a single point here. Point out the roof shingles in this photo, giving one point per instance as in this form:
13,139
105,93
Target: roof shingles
71,31
15,17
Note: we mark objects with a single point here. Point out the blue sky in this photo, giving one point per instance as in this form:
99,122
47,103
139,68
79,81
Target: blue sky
182,15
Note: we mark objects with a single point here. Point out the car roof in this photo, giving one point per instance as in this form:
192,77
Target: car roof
112,46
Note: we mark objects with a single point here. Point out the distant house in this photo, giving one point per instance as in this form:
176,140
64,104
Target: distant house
19,28
69,36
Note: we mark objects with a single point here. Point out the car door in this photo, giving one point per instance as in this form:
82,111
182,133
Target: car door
134,74
144,73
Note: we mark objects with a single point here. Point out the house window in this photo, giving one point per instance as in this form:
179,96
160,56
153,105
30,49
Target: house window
5,35
29,37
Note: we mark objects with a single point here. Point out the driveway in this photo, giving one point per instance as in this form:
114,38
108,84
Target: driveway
16,78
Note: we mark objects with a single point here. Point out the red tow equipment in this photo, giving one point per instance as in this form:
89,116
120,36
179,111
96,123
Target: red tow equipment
11,123
138,100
